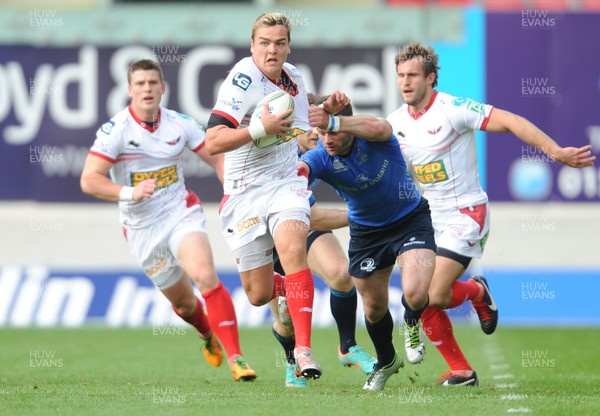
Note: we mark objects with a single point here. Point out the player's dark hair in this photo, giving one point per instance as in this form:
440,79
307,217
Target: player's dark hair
145,65
272,19
429,59
315,99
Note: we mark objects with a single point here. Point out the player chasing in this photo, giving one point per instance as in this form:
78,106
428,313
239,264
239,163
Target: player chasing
326,259
142,147
360,157
264,192
436,132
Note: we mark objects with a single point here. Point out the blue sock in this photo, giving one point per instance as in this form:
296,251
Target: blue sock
343,309
411,316
381,335
288,345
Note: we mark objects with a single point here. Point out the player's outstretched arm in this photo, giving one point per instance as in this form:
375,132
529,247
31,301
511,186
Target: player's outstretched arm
506,122
94,182
366,127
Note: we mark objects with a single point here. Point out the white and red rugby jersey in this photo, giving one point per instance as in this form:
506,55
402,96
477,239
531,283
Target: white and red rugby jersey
239,94
439,143
140,152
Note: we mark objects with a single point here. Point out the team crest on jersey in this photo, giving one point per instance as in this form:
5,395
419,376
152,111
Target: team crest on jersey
107,127
431,172
241,80
435,131
174,142
339,165
166,176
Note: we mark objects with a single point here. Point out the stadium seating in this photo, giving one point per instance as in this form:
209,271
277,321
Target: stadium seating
551,4
590,5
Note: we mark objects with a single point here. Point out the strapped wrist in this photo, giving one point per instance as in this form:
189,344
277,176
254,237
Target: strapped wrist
334,124
126,193
256,129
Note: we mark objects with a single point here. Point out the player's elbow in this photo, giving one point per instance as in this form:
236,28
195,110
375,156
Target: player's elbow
85,184
212,142
380,129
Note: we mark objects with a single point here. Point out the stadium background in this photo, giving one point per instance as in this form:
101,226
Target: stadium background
63,260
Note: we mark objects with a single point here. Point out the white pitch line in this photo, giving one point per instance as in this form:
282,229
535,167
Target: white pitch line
507,385
503,376
512,396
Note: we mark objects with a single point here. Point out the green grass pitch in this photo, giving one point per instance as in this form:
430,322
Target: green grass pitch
93,371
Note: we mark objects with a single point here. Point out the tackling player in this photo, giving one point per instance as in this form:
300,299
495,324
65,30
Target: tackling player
360,158
142,148
436,132
327,259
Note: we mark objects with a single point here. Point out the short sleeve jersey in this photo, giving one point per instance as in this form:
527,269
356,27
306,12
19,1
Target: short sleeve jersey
439,143
238,96
139,151
372,179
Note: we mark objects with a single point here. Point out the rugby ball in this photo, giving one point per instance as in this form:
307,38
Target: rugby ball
278,101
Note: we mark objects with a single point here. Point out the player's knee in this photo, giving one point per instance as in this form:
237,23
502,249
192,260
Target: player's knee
439,299
415,297
185,307
258,298
375,312
339,279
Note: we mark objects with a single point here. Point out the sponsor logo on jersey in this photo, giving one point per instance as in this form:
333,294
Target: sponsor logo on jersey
233,104
241,80
470,104
291,134
133,143
362,178
166,176
432,172
247,224
107,127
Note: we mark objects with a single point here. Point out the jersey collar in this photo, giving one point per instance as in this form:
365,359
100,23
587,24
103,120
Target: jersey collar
424,110
151,128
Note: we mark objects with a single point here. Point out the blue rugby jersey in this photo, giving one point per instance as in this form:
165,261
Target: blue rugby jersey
372,179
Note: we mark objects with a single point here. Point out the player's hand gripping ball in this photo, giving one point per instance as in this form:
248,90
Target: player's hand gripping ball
278,101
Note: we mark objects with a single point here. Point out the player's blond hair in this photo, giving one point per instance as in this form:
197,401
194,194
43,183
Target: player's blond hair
145,65
272,19
429,59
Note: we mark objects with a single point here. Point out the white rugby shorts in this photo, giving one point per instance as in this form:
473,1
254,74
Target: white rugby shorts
463,231
249,219
155,247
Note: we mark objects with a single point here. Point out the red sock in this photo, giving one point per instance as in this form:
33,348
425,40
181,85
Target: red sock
221,314
197,319
278,285
438,328
464,291
300,291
